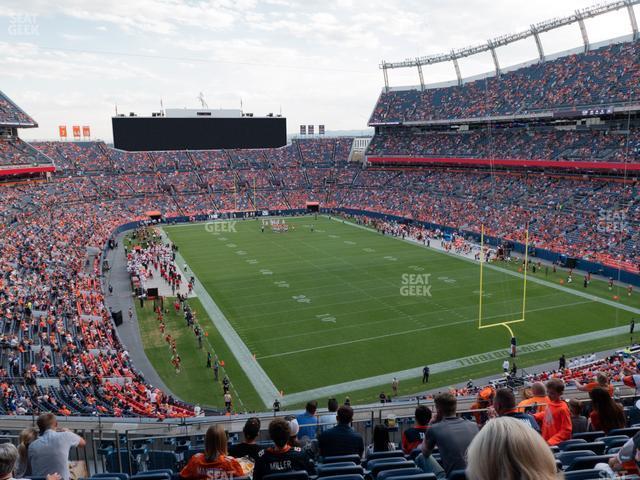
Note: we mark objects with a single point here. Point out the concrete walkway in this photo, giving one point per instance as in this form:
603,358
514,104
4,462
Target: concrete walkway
122,299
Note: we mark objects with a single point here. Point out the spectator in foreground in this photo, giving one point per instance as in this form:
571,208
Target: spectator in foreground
504,405
50,452
8,458
308,422
555,421
214,462
27,437
606,413
452,436
341,439
248,448
413,437
282,457
578,421
507,449
381,442
328,420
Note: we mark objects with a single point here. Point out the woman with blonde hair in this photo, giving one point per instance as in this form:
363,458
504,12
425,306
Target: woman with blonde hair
214,462
508,449
22,468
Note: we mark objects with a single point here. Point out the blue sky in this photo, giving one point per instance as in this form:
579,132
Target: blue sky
72,61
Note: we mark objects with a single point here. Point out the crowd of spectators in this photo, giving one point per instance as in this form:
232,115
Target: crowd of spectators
11,114
599,77
512,143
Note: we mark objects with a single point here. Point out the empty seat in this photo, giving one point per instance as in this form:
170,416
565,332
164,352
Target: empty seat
330,471
567,458
152,476
595,447
120,476
380,467
372,463
162,460
294,475
629,432
573,441
400,472
457,475
342,458
613,441
584,475
377,455
589,436
345,477
335,465
583,463
420,476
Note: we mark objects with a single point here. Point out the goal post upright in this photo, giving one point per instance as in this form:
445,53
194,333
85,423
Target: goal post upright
505,324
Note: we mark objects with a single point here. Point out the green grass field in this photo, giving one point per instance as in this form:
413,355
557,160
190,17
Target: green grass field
342,303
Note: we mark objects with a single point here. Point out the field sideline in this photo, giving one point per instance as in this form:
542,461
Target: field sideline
323,307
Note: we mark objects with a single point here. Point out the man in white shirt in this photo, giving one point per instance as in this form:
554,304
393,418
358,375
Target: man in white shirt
49,453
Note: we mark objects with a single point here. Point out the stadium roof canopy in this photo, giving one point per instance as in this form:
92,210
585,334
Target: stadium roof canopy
11,115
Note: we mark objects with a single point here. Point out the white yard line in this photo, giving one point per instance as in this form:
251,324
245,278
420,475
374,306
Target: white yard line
539,281
495,356
258,377
268,391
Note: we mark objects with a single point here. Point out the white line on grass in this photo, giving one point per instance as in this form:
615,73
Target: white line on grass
405,332
258,377
495,356
539,281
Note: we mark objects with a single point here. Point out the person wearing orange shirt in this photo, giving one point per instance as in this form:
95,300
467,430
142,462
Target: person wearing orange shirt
214,462
537,402
601,381
555,421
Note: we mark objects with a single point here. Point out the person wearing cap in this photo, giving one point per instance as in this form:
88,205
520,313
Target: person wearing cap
294,429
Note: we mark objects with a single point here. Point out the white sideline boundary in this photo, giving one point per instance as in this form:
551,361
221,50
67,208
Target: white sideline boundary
481,358
256,374
267,391
539,281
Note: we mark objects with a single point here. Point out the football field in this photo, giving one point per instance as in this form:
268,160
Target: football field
329,304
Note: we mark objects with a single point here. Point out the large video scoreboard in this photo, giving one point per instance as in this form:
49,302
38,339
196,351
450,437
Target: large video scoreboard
197,133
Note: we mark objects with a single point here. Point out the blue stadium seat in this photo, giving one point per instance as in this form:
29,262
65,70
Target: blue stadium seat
345,477
567,458
295,475
152,476
129,464
378,461
584,463
342,458
377,455
596,447
121,476
420,476
162,460
381,467
629,431
329,471
399,472
563,445
321,466
589,436
613,441
457,475
584,475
